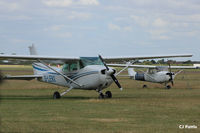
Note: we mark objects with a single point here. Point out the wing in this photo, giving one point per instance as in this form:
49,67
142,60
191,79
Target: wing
22,77
151,66
37,57
108,59
131,66
129,58
184,67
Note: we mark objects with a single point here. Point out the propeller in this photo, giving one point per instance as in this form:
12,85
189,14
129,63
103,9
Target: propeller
112,74
1,77
170,75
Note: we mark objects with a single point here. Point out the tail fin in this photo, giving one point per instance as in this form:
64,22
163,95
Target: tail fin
131,73
38,68
32,50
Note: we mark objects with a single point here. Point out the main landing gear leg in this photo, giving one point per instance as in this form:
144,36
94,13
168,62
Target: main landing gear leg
101,95
57,95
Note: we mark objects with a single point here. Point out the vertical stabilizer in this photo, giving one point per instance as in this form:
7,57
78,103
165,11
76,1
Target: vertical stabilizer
131,73
38,68
32,50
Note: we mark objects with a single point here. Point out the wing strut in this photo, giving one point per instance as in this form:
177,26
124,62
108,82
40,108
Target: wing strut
148,75
66,77
127,65
66,91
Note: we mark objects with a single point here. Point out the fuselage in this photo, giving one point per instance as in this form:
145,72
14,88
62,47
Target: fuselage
90,77
158,77
155,75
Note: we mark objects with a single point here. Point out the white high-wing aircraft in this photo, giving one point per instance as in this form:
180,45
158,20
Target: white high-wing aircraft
154,74
87,73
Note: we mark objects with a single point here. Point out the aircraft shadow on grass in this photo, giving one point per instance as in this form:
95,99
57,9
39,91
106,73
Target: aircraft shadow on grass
36,98
48,97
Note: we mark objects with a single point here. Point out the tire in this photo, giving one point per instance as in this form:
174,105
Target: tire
56,95
168,87
108,94
144,86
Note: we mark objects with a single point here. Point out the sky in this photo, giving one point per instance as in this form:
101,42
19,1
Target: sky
106,27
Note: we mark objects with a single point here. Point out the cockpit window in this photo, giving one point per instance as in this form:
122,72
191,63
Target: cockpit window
152,71
161,68
85,61
157,69
73,67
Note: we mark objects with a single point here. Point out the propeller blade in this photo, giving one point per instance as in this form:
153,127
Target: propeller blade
103,62
172,83
171,78
170,70
1,77
170,75
116,81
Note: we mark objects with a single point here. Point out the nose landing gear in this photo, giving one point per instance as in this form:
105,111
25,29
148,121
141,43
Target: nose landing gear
144,86
168,87
108,94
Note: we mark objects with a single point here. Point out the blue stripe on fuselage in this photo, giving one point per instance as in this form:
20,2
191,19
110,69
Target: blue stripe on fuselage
75,76
40,69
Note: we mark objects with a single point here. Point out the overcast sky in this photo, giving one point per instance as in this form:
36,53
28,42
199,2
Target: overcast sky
107,27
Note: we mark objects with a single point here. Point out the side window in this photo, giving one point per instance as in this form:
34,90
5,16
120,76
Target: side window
65,68
69,67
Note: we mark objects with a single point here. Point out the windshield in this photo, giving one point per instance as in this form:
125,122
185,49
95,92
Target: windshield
90,61
157,69
161,68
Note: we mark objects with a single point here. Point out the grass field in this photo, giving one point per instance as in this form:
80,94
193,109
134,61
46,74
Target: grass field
27,106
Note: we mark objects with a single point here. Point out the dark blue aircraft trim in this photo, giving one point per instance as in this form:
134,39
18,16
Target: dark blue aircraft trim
139,76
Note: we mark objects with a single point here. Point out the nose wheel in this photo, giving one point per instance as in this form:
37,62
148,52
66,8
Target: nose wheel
144,86
168,87
108,94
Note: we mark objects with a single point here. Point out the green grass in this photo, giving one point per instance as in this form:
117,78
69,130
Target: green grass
27,106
